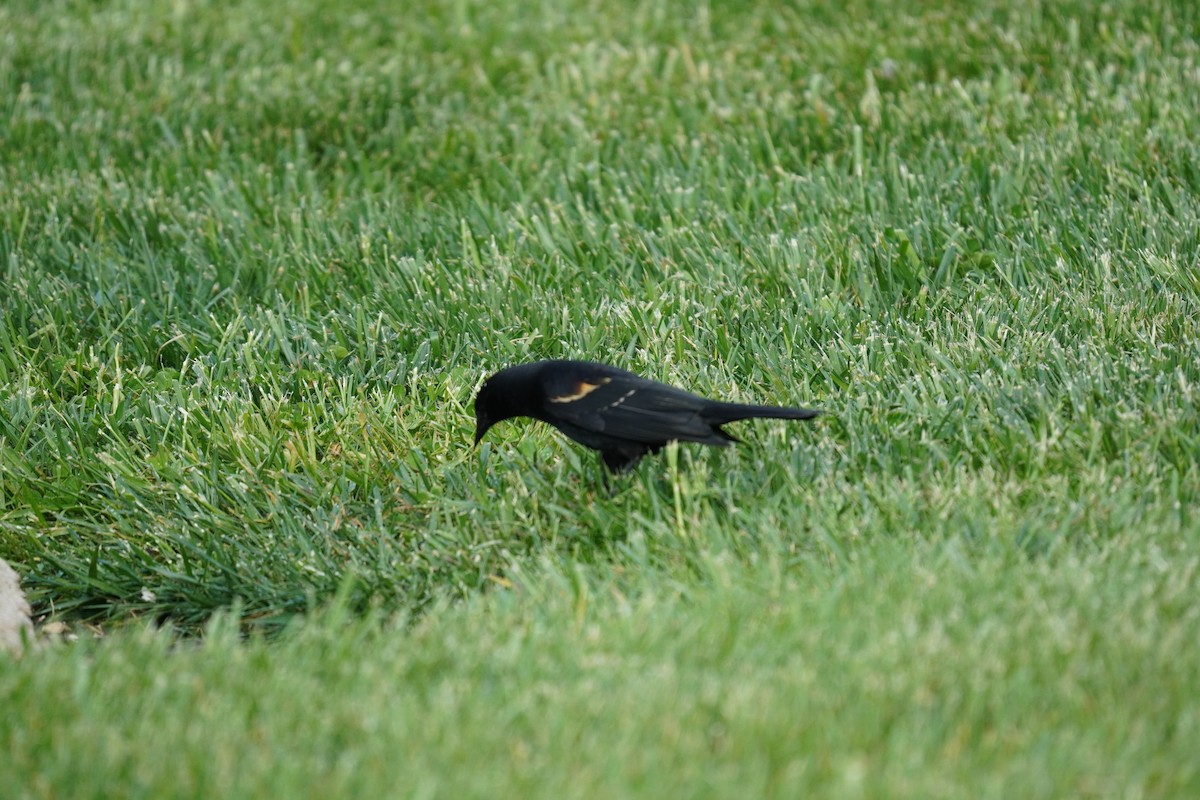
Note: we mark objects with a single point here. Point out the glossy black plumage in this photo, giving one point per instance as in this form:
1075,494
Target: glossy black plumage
620,414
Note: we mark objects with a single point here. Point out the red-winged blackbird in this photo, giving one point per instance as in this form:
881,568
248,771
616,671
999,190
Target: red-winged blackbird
622,415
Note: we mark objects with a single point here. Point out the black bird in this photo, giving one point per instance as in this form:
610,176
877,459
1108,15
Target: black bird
621,414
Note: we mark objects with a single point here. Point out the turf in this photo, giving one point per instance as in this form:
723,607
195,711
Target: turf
257,258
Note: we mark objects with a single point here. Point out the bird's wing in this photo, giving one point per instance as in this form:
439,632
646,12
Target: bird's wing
629,407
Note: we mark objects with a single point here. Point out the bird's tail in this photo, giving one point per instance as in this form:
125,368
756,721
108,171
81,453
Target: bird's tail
730,412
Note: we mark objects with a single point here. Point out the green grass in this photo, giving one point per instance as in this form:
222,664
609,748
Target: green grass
257,258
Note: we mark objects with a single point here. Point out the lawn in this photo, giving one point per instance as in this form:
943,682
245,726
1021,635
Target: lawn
257,258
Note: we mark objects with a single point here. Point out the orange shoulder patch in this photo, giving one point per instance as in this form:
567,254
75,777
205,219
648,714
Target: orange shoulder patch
581,391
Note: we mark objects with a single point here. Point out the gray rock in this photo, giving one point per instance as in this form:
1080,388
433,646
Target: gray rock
15,627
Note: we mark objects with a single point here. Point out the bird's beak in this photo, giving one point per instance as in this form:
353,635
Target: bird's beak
481,428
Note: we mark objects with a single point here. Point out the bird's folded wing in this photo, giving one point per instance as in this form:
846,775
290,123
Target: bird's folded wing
634,409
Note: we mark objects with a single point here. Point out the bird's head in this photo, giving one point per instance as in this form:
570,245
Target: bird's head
485,411
503,396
